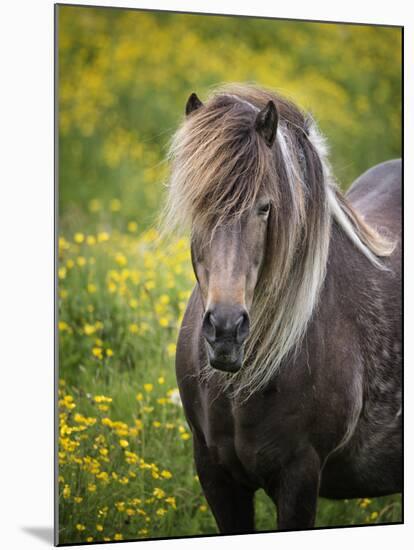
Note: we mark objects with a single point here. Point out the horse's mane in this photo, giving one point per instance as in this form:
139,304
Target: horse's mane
219,164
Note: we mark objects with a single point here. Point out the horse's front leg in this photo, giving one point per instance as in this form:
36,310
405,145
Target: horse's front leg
297,491
231,504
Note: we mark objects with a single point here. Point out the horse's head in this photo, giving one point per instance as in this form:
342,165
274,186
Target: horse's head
227,269
227,263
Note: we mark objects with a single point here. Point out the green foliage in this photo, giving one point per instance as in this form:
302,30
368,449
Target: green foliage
126,467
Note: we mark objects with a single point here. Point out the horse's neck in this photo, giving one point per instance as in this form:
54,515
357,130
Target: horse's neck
354,287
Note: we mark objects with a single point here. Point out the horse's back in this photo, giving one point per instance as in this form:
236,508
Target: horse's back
376,194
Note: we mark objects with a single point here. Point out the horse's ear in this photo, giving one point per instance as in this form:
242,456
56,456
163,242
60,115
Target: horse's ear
193,103
266,123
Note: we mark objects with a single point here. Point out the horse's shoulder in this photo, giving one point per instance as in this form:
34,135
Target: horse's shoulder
189,334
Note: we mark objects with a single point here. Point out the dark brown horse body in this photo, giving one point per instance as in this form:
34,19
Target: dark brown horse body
310,432
328,422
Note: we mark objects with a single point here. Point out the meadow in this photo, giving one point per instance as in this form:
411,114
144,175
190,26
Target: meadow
125,452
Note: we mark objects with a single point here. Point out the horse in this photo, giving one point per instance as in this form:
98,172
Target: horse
288,359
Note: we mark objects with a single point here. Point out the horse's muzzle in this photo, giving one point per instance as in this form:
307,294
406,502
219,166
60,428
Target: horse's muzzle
225,329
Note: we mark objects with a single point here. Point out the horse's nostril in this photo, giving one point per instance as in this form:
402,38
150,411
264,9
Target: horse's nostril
208,327
242,328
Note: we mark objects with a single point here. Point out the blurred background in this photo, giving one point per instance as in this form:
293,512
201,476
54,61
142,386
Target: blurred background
125,76
126,467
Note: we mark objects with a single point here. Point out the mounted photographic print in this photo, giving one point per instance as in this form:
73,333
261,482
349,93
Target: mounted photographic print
228,275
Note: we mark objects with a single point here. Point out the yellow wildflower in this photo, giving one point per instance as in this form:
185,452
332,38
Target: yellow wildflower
164,299
97,352
131,458
148,387
120,259
79,238
115,205
171,349
91,240
123,443
103,237
158,493
94,205
112,287
89,329
171,501
63,326
80,527
132,227
63,244
102,399
133,328
166,474
365,502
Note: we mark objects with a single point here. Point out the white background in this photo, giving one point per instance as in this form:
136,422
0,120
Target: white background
26,269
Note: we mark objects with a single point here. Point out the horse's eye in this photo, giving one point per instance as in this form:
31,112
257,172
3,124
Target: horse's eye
264,209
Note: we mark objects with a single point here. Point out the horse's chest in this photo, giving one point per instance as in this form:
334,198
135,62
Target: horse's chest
241,445
235,453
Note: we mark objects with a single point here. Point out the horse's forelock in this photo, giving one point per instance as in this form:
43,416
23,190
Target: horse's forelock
219,165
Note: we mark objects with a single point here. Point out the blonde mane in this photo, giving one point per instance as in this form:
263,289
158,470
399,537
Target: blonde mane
218,166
